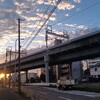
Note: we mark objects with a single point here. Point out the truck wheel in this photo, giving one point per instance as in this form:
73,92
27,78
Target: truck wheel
59,87
70,87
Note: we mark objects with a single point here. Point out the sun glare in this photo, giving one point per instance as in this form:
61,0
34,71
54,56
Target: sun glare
1,75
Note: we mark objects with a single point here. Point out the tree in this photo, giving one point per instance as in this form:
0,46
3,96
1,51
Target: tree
42,77
32,80
52,76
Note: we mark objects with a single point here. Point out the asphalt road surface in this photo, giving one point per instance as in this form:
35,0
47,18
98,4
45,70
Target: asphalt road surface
55,94
8,94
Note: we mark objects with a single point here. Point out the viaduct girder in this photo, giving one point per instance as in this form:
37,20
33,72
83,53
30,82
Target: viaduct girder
85,47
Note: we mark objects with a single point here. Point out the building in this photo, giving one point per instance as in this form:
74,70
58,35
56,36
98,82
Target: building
77,70
94,65
72,70
23,77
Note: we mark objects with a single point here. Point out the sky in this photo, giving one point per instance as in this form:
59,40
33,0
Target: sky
76,17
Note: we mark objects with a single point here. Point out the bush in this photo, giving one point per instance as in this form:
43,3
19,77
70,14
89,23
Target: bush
32,80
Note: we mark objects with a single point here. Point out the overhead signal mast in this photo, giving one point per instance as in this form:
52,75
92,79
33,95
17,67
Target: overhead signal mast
49,31
46,57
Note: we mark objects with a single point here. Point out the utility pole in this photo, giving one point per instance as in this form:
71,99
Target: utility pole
15,63
19,81
46,59
16,52
9,51
10,66
5,74
5,68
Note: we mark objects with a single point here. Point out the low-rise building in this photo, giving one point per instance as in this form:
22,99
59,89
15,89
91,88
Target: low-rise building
77,70
94,65
73,70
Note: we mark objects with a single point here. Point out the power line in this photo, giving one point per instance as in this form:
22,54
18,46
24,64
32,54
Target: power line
82,30
39,21
89,20
34,23
58,2
75,14
67,18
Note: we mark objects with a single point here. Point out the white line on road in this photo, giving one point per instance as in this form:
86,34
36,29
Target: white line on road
42,92
64,98
81,93
89,95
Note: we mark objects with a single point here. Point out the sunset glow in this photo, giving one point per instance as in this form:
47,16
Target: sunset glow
1,75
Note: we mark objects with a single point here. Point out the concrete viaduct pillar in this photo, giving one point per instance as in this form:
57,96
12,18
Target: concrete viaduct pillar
9,79
26,72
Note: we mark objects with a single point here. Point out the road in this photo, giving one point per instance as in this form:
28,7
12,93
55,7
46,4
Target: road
55,94
9,94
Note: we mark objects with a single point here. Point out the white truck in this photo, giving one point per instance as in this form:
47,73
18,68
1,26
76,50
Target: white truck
65,83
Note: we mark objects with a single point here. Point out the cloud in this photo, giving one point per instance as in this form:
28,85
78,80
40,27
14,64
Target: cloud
70,25
52,18
1,0
3,42
39,42
47,2
76,26
36,44
30,18
59,23
41,15
78,1
65,6
39,1
67,15
19,4
45,16
81,26
32,11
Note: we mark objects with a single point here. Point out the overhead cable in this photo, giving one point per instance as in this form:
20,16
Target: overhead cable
49,15
76,13
39,22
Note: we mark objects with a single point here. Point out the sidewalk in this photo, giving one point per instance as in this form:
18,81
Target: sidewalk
8,94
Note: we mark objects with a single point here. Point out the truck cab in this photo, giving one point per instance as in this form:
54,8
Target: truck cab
65,81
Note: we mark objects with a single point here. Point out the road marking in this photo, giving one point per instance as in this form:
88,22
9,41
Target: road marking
81,93
42,92
64,98
89,95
